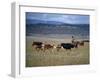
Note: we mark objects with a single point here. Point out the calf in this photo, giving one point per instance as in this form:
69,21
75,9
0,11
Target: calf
58,47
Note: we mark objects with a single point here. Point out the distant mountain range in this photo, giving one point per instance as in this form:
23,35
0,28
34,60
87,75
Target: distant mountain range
42,22
53,27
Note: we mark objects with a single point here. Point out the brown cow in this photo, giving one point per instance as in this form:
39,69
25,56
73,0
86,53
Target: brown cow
37,45
48,46
81,43
78,43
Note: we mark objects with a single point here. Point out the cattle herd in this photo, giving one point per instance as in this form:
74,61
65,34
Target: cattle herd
67,46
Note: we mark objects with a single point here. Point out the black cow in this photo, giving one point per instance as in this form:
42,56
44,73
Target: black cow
67,45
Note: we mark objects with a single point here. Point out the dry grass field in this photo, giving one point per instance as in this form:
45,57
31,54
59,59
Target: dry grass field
52,57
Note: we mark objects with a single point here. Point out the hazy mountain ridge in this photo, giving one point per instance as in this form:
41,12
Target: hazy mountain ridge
41,22
76,29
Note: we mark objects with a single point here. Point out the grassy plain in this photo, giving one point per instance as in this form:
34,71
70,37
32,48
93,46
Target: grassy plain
36,58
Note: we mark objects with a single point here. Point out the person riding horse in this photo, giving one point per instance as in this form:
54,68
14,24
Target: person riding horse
73,39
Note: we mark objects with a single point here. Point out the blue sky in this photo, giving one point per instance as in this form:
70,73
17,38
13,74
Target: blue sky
65,18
